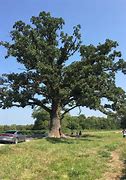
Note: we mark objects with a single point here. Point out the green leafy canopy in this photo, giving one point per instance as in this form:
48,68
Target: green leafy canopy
44,50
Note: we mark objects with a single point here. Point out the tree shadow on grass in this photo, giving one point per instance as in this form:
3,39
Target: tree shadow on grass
69,140
59,140
73,139
92,136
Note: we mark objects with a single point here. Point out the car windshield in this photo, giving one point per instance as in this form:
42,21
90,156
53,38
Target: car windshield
10,132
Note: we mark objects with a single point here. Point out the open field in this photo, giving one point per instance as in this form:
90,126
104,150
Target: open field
96,155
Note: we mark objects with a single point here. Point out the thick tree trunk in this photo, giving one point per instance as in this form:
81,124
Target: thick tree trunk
55,125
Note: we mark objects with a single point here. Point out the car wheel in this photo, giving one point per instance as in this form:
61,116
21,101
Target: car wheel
16,141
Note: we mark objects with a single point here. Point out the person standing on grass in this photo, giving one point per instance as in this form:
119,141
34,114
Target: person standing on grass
80,133
124,132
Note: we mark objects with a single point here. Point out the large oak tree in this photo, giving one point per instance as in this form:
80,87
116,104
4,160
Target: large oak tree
50,80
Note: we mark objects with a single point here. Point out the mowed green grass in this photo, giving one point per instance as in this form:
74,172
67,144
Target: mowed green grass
84,158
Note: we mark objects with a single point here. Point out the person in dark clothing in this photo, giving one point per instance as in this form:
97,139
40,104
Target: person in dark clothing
80,133
124,132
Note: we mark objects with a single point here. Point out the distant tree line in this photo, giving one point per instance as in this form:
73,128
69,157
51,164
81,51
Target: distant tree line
16,127
97,123
69,122
80,122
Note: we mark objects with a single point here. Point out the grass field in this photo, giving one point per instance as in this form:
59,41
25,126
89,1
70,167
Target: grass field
85,158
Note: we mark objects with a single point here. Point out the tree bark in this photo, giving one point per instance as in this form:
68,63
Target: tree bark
55,124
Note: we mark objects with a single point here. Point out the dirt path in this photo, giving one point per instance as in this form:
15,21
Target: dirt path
115,168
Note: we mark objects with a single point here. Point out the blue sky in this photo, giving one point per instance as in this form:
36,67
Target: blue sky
99,20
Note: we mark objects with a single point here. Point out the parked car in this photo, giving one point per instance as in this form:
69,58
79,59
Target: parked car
12,136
